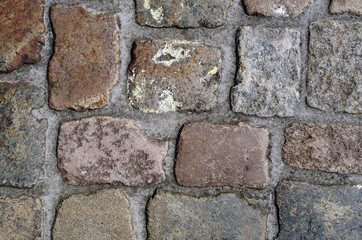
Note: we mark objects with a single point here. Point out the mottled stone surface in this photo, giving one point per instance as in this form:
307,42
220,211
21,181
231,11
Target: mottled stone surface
316,212
335,66
21,218
104,215
176,216
346,6
85,64
101,150
336,148
174,76
21,39
268,73
182,13
22,136
222,155
276,8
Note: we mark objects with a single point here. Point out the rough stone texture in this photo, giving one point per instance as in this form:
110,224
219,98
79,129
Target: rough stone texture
269,71
21,38
176,216
346,6
316,212
174,76
222,155
104,215
22,136
276,8
182,13
336,148
335,66
85,65
21,218
101,150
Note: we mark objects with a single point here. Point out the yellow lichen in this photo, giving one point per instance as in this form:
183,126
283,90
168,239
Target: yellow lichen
176,53
214,70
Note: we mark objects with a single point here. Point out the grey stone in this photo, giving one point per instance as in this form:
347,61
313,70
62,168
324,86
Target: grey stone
346,6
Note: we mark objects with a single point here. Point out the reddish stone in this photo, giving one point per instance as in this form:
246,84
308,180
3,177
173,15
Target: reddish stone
346,6
275,8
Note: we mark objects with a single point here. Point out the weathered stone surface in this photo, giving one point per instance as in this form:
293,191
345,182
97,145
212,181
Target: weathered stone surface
335,66
346,6
21,218
85,65
269,71
21,39
336,148
222,155
101,150
104,215
174,76
316,212
276,8
22,136
182,13
176,216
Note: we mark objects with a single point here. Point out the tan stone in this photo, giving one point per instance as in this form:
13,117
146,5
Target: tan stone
346,6
275,8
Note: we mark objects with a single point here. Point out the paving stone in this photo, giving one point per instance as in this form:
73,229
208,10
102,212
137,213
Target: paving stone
22,136
335,66
85,65
276,8
174,76
182,13
346,6
104,215
102,150
222,155
336,148
316,212
176,216
21,218
269,72
21,38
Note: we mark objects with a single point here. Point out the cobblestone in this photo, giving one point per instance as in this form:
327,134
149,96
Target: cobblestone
276,8
346,6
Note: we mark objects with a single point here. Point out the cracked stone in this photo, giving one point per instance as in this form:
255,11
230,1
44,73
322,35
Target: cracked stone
182,13
316,212
346,6
222,155
174,76
335,66
22,136
85,65
101,150
276,8
104,215
227,216
335,148
269,72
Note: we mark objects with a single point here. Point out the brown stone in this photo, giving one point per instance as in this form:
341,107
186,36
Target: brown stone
222,155
336,148
276,8
104,215
101,150
346,6
85,65
21,218
174,76
21,39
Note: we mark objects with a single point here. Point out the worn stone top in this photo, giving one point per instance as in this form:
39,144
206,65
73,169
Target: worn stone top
346,6
276,8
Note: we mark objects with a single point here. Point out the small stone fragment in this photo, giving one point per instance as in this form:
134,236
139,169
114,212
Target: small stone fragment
182,13
269,72
346,6
85,65
21,29
176,216
102,150
174,76
22,136
336,148
222,155
21,218
276,8
335,66
316,212
104,215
